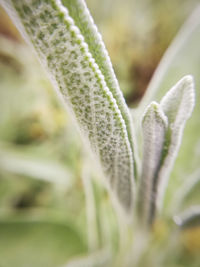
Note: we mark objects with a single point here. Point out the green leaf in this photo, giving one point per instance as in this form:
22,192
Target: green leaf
49,171
182,57
82,18
163,127
154,127
78,74
186,190
37,243
177,105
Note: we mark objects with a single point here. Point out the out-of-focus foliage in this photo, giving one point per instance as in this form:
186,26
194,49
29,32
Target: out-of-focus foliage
136,34
33,124
38,140
37,243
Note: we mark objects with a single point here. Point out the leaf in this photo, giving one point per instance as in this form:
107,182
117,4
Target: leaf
154,127
182,57
91,212
163,127
37,243
82,84
49,171
177,105
82,18
185,190
190,218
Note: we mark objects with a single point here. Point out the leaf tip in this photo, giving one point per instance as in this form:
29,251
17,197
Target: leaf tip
189,218
179,101
154,110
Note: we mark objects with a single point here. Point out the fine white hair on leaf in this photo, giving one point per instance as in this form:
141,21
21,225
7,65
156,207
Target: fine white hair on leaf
154,126
177,105
85,22
86,85
179,102
163,127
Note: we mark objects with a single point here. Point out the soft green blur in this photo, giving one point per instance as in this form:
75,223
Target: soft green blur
43,162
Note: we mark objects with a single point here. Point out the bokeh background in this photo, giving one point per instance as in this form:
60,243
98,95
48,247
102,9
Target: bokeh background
42,159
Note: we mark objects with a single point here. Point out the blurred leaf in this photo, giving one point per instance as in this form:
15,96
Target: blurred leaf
186,191
49,171
100,258
37,243
190,218
180,59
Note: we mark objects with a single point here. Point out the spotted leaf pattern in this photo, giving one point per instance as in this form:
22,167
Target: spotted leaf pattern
87,86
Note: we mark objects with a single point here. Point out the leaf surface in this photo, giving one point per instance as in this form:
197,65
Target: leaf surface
154,127
80,79
177,105
82,18
181,58
163,127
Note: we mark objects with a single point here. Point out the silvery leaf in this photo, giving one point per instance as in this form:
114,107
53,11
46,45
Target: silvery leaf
83,77
154,126
177,105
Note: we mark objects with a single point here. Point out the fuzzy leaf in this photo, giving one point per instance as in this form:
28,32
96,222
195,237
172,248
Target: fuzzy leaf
82,18
162,133
181,57
154,126
177,105
83,85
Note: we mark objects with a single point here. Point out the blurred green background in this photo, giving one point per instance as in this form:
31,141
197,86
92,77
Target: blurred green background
42,159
